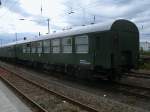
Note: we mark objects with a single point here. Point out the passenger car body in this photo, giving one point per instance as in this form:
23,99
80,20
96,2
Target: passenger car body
106,47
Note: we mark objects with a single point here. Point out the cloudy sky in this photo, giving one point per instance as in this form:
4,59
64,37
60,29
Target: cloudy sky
68,13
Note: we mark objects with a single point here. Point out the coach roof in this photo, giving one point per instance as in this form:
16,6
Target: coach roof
75,31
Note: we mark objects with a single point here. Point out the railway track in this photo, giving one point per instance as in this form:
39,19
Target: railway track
138,75
119,88
137,91
33,105
40,96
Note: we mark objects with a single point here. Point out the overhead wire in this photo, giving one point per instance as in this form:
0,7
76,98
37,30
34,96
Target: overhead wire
78,9
85,7
13,5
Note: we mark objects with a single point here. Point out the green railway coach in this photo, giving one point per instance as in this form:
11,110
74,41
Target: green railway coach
102,48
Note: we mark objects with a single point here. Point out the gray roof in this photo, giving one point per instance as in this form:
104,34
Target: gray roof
74,31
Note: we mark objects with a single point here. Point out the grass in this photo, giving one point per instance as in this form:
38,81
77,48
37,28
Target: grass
145,65
145,53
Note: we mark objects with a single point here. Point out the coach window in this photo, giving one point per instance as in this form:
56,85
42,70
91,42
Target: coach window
46,46
24,48
81,43
39,47
33,47
28,46
55,45
67,45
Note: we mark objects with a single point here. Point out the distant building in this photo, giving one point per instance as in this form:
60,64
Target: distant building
145,46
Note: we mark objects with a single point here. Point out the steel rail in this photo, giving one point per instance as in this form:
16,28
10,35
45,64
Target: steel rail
138,75
70,100
135,87
133,93
25,97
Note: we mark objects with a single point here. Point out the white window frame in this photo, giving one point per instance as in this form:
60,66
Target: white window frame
28,48
65,44
81,43
39,47
46,46
54,46
24,48
33,46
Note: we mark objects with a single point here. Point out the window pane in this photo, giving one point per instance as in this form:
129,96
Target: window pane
33,47
67,41
56,49
28,49
39,44
81,40
55,42
46,49
67,45
34,44
24,50
67,49
39,50
81,44
33,50
28,45
82,48
56,46
46,43
46,46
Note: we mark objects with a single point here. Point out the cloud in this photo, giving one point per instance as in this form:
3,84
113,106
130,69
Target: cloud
104,10
11,37
15,6
58,12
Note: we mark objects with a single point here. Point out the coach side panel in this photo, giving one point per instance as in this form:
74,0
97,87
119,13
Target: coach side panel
68,50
